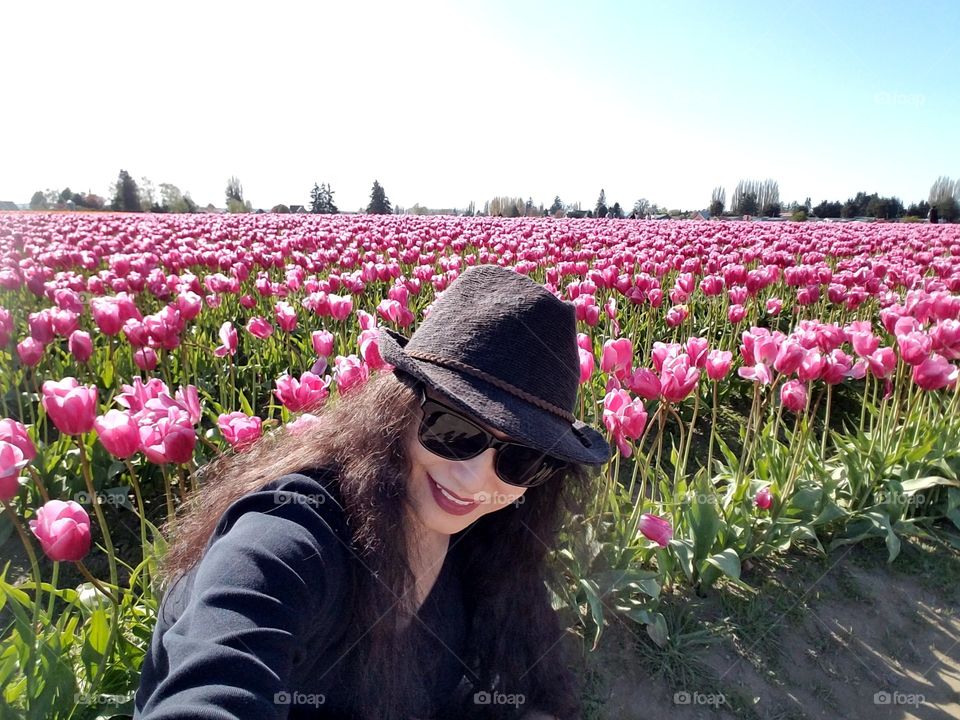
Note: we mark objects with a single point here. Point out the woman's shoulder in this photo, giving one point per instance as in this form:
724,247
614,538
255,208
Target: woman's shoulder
309,497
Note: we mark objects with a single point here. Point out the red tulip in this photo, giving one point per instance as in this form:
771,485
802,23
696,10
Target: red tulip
63,529
764,498
72,407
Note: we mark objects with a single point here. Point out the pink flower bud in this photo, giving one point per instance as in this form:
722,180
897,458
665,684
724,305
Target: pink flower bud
80,345
764,498
656,529
72,407
63,529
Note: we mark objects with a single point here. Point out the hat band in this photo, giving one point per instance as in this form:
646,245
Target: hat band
502,384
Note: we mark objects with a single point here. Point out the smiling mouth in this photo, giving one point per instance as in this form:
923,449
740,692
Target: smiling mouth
450,496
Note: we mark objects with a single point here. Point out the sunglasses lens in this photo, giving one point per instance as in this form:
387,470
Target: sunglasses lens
523,466
450,436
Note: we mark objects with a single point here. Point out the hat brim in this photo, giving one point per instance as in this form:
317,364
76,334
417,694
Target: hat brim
577,442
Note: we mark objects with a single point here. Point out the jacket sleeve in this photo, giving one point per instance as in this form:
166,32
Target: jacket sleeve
260,589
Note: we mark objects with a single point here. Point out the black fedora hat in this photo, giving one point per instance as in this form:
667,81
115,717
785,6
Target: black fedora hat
503,348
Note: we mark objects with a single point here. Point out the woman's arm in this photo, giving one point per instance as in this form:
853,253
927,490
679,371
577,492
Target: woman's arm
257,590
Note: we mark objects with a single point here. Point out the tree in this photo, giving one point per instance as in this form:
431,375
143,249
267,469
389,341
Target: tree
126,194
379,203
920,210
147,200
828,209
616,211
556,209
771,209
234,190
321,200
66,195
753,196
641,208
601,210
718,198
38,201
945,197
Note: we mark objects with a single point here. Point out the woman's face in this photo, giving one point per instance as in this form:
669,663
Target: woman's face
448,495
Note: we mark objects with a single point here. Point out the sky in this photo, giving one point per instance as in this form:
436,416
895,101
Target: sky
445,103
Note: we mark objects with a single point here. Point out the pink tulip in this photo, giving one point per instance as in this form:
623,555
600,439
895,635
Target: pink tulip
370,350
584,342
12,462
259,327
656,529
189,304
678,378
118,432
758,373
934,373
15,433
617,357
774,306
248,302
624,418
6,326
239,429
836,367
30,351
286,316
168,441
764,498
80,345
718,364
297,395
736,314
696,348
145,358
882,362
811,367
41,326
662,352
789,356
587,365
793,395
946,338
303,423
72,407
322,342
643,382
349,372
366,320
63,529
228,340
340,307
676,315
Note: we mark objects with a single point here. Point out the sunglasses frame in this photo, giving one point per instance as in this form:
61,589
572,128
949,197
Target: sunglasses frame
491,441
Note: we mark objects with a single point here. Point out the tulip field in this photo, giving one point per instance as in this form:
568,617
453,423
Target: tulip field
765,386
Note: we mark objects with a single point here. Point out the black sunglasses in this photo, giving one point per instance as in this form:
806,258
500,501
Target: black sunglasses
447,433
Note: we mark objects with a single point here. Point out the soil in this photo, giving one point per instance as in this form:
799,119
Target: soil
847,636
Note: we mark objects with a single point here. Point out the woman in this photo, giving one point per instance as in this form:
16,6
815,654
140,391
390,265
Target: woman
388,560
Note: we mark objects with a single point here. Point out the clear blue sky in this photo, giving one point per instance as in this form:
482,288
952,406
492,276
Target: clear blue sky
448,102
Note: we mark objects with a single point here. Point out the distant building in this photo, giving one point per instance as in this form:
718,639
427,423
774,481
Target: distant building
701,215
7,205
297,209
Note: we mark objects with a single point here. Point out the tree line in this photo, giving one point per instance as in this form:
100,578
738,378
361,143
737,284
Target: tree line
762,199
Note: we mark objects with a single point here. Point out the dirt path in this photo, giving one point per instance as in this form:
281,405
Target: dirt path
843,637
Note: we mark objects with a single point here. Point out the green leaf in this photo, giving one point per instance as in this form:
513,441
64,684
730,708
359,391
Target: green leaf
596,607
657,630
98,631
728,562
925,483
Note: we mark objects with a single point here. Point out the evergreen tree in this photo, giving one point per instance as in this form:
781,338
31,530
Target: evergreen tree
557,206
127,195
379,203
717,201
601,209
321,200
616,211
